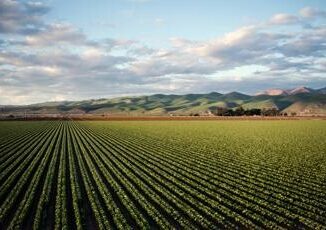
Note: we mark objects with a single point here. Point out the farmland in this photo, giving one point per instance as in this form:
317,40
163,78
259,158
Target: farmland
163,174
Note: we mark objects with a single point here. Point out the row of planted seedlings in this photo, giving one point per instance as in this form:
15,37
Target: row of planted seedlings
153,203
61,216
307,185
313,210
29,203
48,190
14,149
12,172
91,188
110,207
18,181
121,193
121,190
192,190
303,204
14,130
10,140
201,157
89,202
209,150
76,193
30,194
16,153
22,131
147,186
266,204
178,194
302,209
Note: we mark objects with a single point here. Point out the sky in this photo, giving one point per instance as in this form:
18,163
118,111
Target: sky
58,50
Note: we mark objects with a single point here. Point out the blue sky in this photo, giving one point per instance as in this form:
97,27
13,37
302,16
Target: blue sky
71,50
154,22
149,20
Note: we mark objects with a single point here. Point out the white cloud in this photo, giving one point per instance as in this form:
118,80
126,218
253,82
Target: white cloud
92,53
21,17
310,12
283,19
60,61
56,34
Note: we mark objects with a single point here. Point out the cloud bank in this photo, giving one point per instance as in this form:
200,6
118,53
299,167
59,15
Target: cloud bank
43,61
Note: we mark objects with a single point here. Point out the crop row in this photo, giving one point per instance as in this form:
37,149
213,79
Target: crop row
98,175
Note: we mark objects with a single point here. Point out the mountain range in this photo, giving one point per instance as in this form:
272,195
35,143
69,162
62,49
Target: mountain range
276,92
299,101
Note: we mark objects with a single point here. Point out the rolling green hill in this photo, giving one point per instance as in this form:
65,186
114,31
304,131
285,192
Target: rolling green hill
305,103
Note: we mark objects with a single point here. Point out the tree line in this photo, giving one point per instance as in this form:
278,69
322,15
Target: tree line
240,111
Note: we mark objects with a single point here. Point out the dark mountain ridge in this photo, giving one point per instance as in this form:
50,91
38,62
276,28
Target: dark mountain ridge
300,101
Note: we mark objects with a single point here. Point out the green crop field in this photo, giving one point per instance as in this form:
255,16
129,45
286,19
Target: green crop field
163,174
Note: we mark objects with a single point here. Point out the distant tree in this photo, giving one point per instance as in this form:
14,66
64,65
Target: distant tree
275,112
239,111
220,111
270,112
230,112
194,114
252,112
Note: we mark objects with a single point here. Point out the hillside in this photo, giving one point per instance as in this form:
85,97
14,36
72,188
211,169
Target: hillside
300,101
299,90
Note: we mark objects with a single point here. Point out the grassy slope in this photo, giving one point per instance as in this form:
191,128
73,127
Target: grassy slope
159,104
